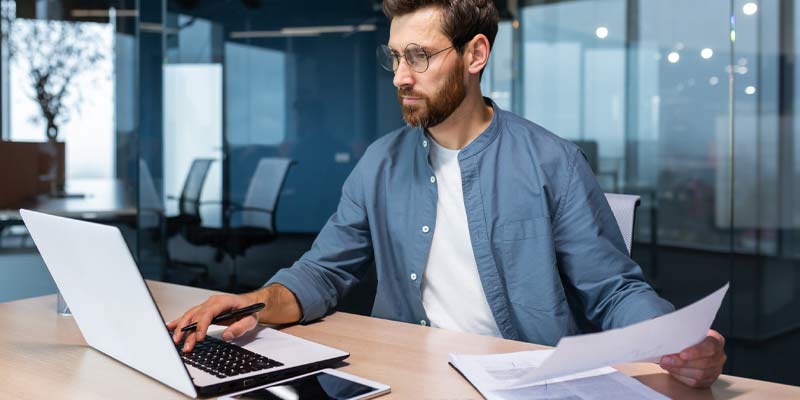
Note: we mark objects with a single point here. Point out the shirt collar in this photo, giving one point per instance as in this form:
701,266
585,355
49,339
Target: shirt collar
478,144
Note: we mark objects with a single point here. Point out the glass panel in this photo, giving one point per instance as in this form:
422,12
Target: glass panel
652,112
497,81
764,211
68,119
241,85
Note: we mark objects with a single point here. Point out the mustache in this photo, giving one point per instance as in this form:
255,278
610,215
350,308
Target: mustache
408,92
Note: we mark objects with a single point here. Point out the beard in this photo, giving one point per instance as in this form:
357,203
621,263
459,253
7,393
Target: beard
438,107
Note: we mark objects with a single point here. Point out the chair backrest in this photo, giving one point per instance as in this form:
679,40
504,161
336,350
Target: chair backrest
624,208
263,192
189,201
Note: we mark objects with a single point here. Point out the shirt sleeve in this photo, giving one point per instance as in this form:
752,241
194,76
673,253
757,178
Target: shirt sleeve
592,255
338,258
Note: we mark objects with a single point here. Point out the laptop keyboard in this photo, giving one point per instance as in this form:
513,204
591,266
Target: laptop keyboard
222,359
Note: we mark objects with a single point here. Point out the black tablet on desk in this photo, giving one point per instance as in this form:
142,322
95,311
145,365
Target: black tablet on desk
320,385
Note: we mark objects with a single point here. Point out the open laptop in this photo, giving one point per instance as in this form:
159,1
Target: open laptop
111,304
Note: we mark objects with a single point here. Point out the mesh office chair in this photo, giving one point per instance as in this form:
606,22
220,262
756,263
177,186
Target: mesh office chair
252,222
261,200
188,217
624,208
189,200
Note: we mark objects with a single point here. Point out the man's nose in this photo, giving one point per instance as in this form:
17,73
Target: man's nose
404,75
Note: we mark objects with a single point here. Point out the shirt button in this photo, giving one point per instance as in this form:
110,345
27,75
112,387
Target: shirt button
413,276
423,322
433,179
424,143
425,229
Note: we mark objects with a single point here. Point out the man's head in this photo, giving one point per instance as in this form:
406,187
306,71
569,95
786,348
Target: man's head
449,42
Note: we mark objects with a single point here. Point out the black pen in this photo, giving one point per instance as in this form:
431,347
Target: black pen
228,315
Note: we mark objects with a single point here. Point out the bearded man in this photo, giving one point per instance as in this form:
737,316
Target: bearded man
476,219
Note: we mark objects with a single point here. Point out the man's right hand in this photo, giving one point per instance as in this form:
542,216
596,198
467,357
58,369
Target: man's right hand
281,304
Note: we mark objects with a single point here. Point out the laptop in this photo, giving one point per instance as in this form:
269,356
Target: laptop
99,279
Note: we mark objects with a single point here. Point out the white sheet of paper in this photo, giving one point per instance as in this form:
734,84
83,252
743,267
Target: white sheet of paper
495,371
644,341
490,374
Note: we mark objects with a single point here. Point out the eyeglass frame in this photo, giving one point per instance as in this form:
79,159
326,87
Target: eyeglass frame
397,56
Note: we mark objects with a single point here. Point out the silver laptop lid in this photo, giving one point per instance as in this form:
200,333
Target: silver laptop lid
97,276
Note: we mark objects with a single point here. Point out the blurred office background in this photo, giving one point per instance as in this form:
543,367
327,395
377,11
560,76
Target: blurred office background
217,134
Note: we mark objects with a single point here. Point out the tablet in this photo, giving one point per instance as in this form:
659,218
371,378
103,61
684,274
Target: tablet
319,385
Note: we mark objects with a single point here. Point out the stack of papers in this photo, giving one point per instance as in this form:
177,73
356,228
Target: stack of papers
491,376
579,364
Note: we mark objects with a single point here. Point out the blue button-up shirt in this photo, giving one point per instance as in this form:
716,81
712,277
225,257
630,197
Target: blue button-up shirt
550,255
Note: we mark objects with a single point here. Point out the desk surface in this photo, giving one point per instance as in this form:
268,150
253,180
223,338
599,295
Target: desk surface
43,355
97,199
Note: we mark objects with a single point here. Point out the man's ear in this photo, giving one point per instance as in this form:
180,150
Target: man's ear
477,53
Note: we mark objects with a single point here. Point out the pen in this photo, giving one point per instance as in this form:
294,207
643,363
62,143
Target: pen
228,315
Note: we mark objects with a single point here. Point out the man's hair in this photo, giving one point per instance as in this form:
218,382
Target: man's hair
461,19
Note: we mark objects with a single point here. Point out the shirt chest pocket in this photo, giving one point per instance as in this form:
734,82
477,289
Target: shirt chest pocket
522,229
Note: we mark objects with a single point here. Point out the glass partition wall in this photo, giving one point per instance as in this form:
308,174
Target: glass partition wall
245,87
231,126
68,124
691,106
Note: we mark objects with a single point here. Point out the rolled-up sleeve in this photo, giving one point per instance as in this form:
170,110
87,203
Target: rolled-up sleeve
592,255
338,258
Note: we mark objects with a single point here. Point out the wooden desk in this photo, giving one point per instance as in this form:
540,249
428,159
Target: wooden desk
101,199
43,355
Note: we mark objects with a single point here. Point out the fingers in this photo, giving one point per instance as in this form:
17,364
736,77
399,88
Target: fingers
674,361
695,373
694,382
191,340
203,314
698,378
181,322
700,365
707,348
204,317
240,327
709,352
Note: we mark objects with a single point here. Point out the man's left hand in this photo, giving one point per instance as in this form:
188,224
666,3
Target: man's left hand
700,365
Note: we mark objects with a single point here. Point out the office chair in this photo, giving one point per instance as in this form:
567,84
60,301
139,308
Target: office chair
188,217
624,208
255,217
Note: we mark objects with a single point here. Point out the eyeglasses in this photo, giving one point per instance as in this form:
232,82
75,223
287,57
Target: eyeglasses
416,57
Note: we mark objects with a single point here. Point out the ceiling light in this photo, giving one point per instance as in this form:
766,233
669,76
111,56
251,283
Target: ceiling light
303,31
103,13
706,53
601,32
673,57
750,90
750,8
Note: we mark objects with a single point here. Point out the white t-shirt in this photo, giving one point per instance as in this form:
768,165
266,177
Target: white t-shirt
451,287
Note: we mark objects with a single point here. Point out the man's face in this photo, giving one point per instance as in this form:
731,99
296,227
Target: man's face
427,98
